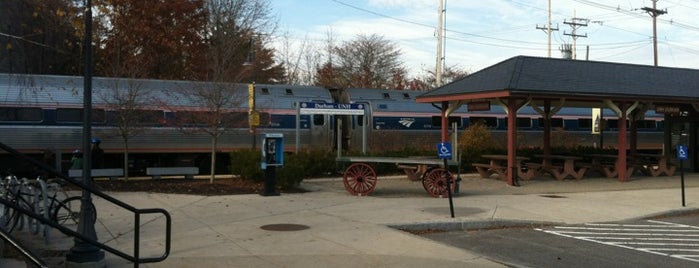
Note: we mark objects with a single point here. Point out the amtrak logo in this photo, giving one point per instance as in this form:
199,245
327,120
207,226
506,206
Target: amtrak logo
407,122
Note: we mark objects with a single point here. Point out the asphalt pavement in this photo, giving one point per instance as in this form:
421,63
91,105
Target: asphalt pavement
327,227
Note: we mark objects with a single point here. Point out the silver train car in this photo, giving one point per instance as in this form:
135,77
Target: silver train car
43,113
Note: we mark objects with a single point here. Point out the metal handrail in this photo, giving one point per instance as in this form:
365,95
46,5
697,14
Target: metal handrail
135,258
22,250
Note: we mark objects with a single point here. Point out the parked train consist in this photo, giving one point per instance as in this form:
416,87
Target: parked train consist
43,113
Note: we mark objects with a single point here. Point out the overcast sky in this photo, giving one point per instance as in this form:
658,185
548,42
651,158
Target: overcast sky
482,33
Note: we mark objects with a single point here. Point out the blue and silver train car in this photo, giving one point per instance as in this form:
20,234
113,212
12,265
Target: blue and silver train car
40,113
394,120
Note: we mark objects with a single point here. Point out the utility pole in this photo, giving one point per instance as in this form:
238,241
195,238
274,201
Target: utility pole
547,29
440,36
575,24
654,12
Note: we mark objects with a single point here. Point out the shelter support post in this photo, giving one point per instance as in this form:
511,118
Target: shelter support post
547,113
622,142
513,105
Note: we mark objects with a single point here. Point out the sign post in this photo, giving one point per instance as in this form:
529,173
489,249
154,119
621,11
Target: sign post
682,155
444,152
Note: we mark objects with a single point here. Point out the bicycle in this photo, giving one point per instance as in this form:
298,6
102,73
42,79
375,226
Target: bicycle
39,197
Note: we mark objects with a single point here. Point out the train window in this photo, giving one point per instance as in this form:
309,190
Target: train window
386,96
383,106
289,92
406,96
265,91
360,120
73,115
524,122
151,117
21,114
491,122
555,122
645,124
614,123
265,118
584,123
237,119
318,119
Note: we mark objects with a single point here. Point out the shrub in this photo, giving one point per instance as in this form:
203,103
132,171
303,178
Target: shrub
297,167
477,141
246,163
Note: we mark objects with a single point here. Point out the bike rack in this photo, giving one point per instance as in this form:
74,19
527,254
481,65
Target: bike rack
135,258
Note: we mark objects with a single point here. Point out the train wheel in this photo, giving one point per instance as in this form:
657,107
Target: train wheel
435,182
360,179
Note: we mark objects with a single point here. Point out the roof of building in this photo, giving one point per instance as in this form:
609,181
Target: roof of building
584,80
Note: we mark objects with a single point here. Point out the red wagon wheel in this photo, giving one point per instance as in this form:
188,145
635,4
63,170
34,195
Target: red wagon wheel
436,184
360,179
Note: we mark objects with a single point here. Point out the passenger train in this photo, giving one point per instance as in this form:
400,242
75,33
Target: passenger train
43,113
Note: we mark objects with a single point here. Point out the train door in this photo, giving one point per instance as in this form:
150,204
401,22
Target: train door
321,129
358,132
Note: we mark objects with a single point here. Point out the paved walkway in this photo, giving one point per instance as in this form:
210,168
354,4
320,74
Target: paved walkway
349,231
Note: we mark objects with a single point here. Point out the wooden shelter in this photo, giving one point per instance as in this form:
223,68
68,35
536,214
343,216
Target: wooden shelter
547,84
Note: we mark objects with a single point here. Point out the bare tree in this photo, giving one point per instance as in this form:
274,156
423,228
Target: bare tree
215,117
234,53
128,99
367,61
300,61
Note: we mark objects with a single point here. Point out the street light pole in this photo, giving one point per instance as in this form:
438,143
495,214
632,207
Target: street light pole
83,253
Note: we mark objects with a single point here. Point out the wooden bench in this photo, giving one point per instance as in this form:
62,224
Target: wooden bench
528,171
111,173
157,172
656,169
485,170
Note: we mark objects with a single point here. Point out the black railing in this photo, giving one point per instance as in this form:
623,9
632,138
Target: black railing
28,255
135,258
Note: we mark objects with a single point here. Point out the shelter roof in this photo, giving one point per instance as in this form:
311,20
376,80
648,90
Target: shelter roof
572,79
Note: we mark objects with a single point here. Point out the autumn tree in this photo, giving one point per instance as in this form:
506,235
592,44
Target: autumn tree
428,81
162,37
234,52
235,38
38,37
369,61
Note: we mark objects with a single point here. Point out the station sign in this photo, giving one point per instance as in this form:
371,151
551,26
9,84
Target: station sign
478,106
331,108
667,109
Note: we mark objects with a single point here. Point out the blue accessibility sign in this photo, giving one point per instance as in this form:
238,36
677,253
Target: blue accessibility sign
682,152
444,150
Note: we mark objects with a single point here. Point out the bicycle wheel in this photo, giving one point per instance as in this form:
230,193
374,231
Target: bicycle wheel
8,219
67,212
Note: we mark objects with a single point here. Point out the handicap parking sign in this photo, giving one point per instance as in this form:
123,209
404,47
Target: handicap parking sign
444,150
682,152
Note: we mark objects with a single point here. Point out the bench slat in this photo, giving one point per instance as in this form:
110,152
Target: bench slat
188,172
